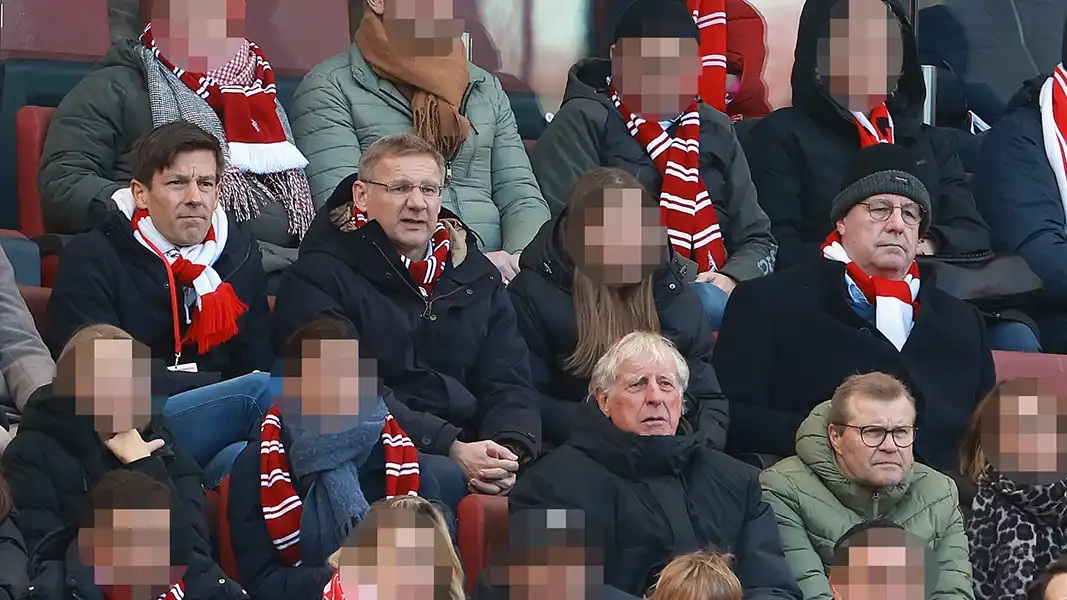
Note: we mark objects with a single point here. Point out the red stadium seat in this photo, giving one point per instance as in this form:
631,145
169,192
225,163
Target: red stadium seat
37,300
1049,367
227,559
31,128
483,524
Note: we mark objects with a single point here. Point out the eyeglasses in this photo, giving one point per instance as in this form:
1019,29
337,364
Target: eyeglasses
873,436
403,189
881,210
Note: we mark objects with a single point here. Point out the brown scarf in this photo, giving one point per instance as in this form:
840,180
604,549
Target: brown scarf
438,84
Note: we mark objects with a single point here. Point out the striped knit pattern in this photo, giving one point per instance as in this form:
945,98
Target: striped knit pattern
427,271
710,17
1053,103
876,128
686,210
281,504
333,590
177,592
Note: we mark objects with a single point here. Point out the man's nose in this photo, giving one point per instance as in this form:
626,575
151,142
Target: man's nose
417,201
896,220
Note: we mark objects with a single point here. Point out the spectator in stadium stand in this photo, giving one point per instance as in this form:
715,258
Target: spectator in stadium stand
855,462
143,83
1011,451
792,338
648,492
1052,585
410,281
25,363
326,454
852,89
408,72
171,268
881,559
639,112
14,561
1021,186
96,418
597,271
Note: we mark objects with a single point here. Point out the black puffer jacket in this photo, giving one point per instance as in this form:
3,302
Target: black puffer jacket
800,154
544,303
14,579
649,499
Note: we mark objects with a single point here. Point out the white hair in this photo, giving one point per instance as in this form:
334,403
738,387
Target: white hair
639,346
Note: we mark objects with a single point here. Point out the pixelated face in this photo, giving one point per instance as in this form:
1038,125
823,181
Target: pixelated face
113,386
181,198
553,559
130,548
646,398
195,31
1027,442
409,561
881,566
336,388
403,193
862,60
1057,588
616,240
656,77
424,27
875,445
883,248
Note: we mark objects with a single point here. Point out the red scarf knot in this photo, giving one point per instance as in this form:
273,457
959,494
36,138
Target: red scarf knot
427,271
875,128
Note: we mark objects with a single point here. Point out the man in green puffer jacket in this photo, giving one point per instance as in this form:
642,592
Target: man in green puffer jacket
393,81
855,463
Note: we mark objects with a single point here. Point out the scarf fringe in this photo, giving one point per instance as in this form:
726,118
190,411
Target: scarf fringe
244,195
215,322
263,159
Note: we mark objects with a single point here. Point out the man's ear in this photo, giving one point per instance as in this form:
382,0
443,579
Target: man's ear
602,402
140,194
359,195
840,226
378,6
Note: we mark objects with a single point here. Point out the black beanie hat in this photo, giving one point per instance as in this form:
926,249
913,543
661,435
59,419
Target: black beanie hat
656,19
882,169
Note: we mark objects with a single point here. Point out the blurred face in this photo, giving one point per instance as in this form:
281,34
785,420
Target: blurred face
555,572
881,234
862,60
336,387
130,548
618,242
182,197
887,571
196,33
407,564
1029,443
1057,588
113,386
646,398
869,447
656,77
420,27
403,193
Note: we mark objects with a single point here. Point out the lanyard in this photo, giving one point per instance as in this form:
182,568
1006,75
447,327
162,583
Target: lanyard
173,300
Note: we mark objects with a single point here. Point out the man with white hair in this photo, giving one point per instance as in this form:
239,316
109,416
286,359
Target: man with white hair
650,489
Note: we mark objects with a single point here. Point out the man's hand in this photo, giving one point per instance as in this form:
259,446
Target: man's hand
507,264
927,247
490,468
723,282
129,446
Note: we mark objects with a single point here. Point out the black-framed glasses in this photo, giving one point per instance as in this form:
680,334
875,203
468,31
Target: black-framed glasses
403,189
881,210
873,436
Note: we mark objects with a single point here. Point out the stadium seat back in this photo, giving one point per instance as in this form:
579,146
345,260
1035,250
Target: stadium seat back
31,129
227,558
483,524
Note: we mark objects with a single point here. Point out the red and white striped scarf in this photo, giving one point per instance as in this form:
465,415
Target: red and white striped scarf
427,271
333,590
710,17
281,504
875,128
686,209
176,592
895,301
1053,102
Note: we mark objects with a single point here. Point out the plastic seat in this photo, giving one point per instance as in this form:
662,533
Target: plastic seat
37,301
227,559
31,129
483,524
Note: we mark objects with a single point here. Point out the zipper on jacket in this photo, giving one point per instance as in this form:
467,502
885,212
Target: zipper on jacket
427,302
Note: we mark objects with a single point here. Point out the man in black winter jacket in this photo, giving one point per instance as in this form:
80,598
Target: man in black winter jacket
429,307
648,493
92,420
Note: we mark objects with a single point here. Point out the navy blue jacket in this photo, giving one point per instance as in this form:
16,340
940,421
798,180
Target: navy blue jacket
1016,189
107,276
456,363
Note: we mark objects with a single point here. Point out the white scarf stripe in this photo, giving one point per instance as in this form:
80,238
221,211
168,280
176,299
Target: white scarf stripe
1052,131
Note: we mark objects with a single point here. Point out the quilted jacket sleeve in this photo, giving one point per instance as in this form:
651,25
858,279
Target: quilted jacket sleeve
322,125
780,493
951,551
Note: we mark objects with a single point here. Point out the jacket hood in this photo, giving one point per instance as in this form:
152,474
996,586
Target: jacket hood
814,450
123,53
588,78
628,455
810,93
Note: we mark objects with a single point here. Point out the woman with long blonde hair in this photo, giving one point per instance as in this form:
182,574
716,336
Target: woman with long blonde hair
599,270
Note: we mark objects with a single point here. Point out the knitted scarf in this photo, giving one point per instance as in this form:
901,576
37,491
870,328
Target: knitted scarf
710,16
334,501
437,83
876,128
333,590
215,304
1015,533
427,271
895,301
176,592
1053,102
685,208
238,104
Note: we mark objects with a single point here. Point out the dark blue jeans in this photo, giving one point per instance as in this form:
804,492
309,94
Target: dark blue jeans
714,301
1013,336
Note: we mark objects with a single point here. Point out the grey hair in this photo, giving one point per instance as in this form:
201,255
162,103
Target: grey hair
400,144
637,346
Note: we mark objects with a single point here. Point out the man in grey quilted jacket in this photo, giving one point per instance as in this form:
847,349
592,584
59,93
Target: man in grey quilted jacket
409,73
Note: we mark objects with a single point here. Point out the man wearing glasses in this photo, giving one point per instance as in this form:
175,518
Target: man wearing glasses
429,308
788,340
855,463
